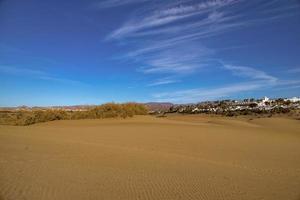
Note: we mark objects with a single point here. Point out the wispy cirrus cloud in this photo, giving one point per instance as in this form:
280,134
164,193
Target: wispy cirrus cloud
214,23
204,94
115,3
21,71
294,70
249,72
166,16
212,16
181,61
160,33
37,74
163,81
169,38
258,80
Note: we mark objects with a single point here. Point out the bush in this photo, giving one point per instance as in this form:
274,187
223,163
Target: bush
109,110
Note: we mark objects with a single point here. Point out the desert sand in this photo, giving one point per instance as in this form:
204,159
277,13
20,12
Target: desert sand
177,157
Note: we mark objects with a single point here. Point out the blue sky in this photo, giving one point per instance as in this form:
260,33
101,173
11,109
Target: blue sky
55,52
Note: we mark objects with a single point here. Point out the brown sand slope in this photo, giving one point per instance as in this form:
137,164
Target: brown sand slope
180,157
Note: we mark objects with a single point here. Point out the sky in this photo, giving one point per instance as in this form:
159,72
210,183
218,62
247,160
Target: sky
55,52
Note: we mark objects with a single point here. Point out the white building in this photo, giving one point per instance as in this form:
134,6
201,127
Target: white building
263,102
195,110
294,99
265,99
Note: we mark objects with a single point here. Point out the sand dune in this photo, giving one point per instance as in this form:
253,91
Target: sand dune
178,157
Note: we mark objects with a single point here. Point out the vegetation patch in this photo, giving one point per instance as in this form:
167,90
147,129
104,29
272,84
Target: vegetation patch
109,110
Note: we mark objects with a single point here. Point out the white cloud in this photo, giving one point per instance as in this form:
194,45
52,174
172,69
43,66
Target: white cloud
212,24
163,81
249,72
215,17
204,94
116,3
295,70
168,38
20,71
170,15
37,74
181,59
201,94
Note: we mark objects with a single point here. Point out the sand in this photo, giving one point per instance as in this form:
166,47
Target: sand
178,157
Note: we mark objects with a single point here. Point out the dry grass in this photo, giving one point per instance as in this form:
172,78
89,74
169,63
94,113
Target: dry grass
109,110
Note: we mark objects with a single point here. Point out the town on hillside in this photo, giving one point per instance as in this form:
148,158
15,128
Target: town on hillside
226,107
236,107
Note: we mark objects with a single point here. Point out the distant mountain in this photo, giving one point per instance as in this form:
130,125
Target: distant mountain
152,106
159,106
73,107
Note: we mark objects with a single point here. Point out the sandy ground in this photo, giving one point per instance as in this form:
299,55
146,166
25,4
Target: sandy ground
178,157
